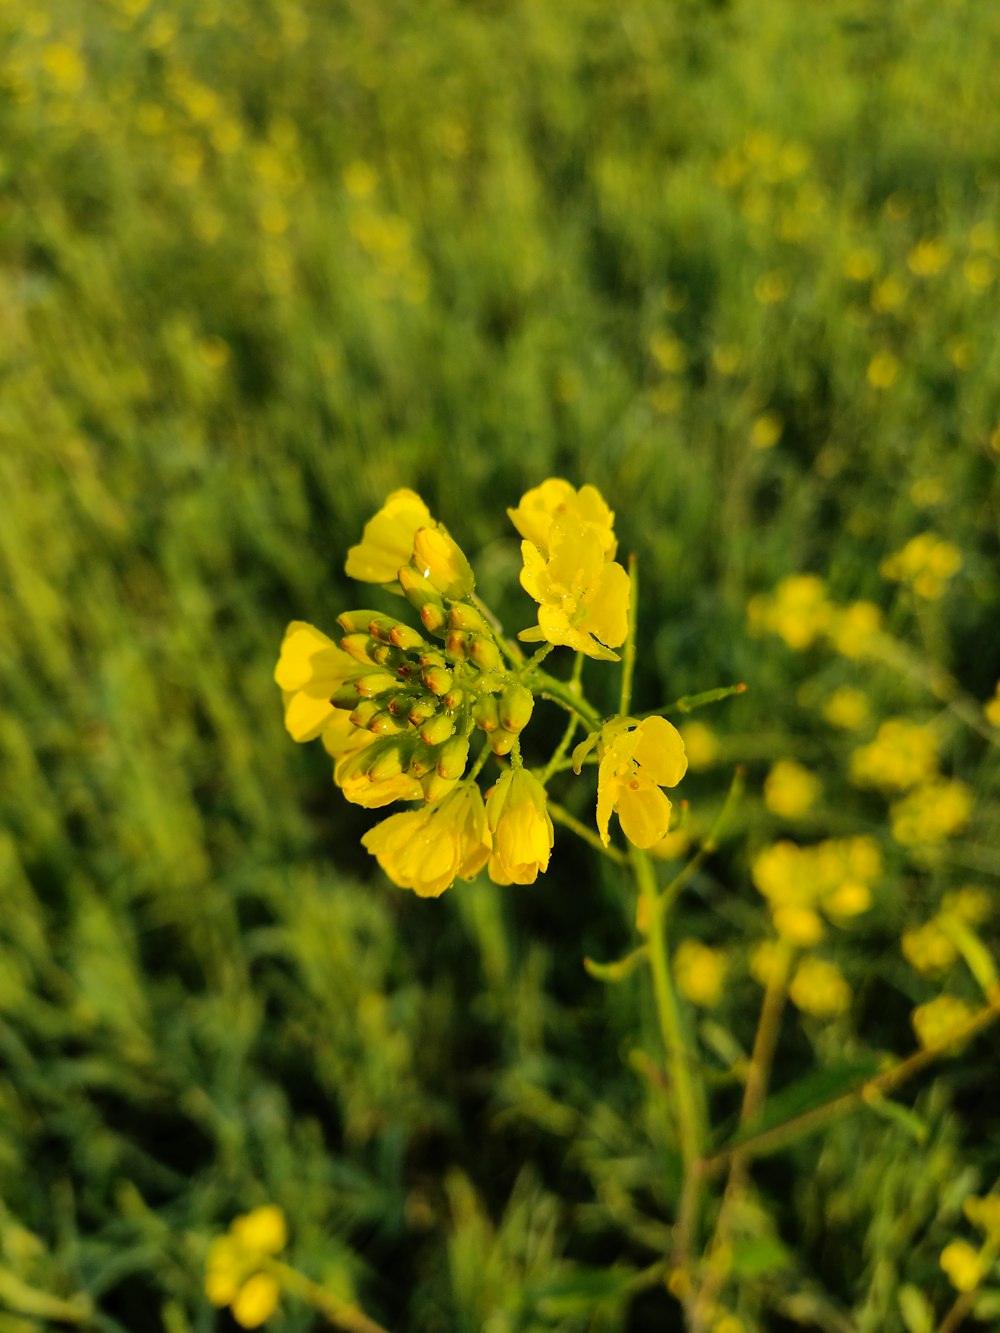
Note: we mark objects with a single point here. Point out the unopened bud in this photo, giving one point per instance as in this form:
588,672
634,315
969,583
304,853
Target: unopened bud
356,622
456,645
417,591
440,561
453,755
502,741
345,697
359,646
400,704
437,729
437,680
423,760
376,682
384,724
484,653
432,618
516,706
435,786
365,711
466,617
387,764
485,714
422,710
453,699
407,638
387,656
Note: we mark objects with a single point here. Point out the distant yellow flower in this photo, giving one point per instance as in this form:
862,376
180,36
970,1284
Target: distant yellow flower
833,876
700,972
767,430
927,948
427,850
883,370
932,812
310,670
819,988
636,762
928,258
984,1213
522,829
940,1021
992,708
583,598
855,629
545,504
963,1265
798,610
847,708
926,563
236,1268
701,745
387,541
903,754
790,789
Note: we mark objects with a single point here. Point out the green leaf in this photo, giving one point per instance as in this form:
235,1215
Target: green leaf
915,1309
578,1291
915,1125
753,1256
806,1094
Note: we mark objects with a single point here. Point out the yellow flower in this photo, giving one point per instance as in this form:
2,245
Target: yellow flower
790,789
928,948
236,1266
938,1022
341,739
984,1213
427,850
374,775
797,881
819,988
902,755
700,972
963,1264
256,1301
636,761
310,670
387,541
931,813
521,827
701,745
798,610
846,708
926,563
855,629
438,558
583,598
262,1231
992,708
554,498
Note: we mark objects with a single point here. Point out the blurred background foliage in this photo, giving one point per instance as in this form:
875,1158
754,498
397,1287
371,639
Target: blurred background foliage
262,261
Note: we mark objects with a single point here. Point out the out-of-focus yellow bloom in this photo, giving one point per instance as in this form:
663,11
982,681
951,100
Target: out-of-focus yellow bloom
903,754
800,925
636,762
427,850
992,708
583,598
938,1022
984,1213
310,670
701,745
700,972
765,960
668,353
790,790
963,1265
672,845
767,430
819,988
847,708
927,948
387,541
970,904
855,629
883,370
341,739
798,610
928,258
834,876
926,563
931,813
438,558
523,835
860,265
545,504
236,1266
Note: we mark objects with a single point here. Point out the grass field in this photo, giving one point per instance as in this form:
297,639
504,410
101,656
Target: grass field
263,262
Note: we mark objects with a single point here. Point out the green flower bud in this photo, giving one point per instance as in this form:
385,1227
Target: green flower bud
359,646
432,618
357,622
465,617
436,679
400,704
418,592
346,696
422,761
387,656
516,706
377,682
453,755
384,724
365,711
453,699
485,654
485,714
502,742
437,729
422,710
386,764
435,786
456,645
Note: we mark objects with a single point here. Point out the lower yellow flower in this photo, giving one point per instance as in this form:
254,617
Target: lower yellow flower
636,762
427,850
963,1264
387,541
522,829
819,988
236,1268
583,598
374,776
310,670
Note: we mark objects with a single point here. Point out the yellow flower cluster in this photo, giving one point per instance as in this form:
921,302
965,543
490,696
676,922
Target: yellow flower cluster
790,789
902,755
820,988
992,708
932,812
926,564
700,972
237,1268
569,569
847,708
963,1265
800,611
940,1021
834,876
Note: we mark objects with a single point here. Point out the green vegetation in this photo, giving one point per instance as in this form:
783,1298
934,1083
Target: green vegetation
262,262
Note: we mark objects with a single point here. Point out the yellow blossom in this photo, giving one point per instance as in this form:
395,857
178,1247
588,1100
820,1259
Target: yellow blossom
374,776
439,559
262,1231
236,1272
790,790
798,610
636,762
766,959
427,850
834,875
932,812
984,1213
310,670
583,598
767,430
855,629
927,948
387,541
939,1022
925,563
545,504
798,924
992,708
256,1301
847,708
700,744
700,972
928,258
819,988
341,739
903,754
963,1265
883,370
521,827
971,904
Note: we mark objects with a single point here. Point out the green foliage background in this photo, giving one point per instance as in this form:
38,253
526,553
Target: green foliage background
260,263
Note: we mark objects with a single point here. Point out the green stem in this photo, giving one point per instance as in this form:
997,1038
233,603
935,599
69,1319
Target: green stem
687,703
560,815
711,842
555,762
562,693
342,1314
628,652
688,1097
481,759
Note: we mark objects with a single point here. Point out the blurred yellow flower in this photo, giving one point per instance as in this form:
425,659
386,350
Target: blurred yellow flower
926,563
834,876
427,850
847,708
855,629
963,1265
798,610
668,353
984,1213
883,370
636,762
992,708
701,745
940,1021
932,812
819,988
767,429
790,789
700,972
928,257
583,597
545,504
439,559
373,775
970,904
927,948
523,835
387,542
236,1267
310,670
903,754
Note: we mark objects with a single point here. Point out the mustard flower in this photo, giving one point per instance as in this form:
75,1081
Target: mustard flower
963,1265
636,761
522,829
790,790
374,776
310,670
932,812
583,598
439,559
819,988
700,972
387,541
938,1022
427,850
236,1268
903,754
545,504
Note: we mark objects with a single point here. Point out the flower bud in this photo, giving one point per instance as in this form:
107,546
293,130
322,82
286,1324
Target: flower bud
485,654
359,646
435,787
516,706
456,645
432,618
502,742
453,699
485,714
465,617
436,679
418,592
436,730
357,622
346,696
441,562
422,761
376,682
384,724
387,764
387,656
365,711
422,710
453,755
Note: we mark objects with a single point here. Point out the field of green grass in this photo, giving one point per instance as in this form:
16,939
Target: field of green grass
734,262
